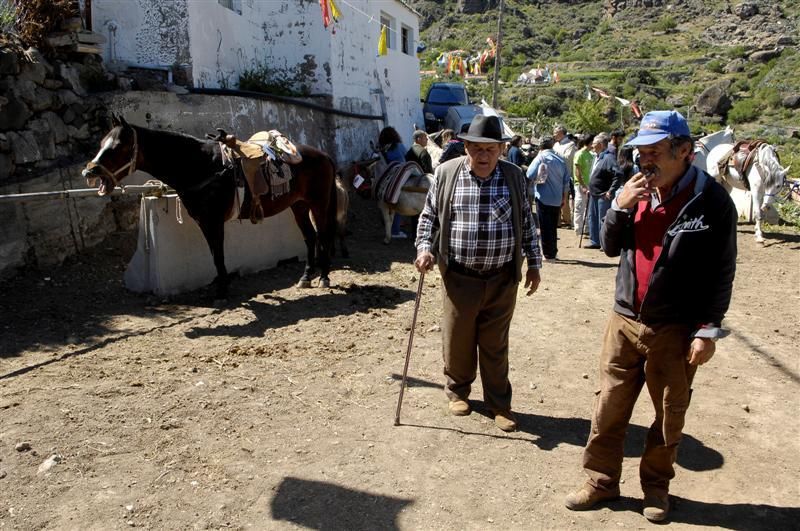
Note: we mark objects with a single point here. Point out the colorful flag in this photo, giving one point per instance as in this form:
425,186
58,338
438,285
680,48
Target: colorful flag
601,92
326,16
335,13
635,108
622,101
383,47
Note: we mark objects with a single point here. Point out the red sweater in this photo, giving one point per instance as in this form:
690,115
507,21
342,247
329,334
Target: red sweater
649,227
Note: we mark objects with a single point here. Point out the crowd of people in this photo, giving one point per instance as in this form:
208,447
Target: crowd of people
673,228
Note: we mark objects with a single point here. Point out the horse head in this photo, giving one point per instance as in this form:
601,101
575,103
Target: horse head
773,174
365,171
119,151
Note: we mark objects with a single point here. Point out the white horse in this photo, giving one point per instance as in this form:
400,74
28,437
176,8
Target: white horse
704,146
765,178
412,196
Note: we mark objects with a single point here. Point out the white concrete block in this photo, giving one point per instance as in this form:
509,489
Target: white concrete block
172,257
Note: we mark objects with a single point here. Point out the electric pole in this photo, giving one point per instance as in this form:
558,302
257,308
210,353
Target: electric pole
497,55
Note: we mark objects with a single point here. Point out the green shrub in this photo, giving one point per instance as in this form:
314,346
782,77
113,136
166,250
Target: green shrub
743,111
586,116
260,79
715,66
737,52
665,23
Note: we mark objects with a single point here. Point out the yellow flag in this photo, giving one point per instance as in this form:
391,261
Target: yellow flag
383,49
335,13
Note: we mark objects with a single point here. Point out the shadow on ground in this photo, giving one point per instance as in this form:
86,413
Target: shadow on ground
322,505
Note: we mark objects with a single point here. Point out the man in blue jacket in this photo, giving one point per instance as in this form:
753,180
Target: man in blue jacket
549,182
674,229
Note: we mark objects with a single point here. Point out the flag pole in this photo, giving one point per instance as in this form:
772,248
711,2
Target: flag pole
497,55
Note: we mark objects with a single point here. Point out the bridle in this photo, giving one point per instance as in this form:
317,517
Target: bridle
130,166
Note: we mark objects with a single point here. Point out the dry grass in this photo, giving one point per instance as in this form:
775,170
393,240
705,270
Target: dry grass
35,19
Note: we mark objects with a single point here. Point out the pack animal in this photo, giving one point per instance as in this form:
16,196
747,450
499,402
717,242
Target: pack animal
206,185
756,168
411,198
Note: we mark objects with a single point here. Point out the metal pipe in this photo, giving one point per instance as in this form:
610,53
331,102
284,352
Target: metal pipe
84,192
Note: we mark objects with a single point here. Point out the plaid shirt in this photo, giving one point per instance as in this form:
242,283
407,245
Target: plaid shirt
481,227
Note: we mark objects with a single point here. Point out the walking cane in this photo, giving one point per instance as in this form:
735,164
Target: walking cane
583,221
408,350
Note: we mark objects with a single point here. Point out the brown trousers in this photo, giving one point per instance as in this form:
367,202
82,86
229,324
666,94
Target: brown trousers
476,318
635,354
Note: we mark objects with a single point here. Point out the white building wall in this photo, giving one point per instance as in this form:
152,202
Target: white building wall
217,44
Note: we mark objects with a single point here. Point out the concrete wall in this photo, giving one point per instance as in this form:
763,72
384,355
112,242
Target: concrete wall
342,138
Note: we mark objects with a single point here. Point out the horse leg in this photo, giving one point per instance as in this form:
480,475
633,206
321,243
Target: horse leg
388,219
300,212
214,232
326,236
756,206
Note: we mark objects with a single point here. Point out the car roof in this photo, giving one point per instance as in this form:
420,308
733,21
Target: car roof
448,84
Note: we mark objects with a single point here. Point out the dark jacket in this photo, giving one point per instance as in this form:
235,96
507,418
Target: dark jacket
421,156
692,279
453,149
606,176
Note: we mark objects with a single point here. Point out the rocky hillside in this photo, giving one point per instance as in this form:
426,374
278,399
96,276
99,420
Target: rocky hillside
720,62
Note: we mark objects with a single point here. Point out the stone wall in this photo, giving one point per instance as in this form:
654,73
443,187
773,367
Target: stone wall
49,121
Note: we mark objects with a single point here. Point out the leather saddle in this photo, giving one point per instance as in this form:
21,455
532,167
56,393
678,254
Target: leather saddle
263,161
738,161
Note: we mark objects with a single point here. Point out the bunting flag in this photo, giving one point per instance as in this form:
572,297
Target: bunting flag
602,93
622,100
330,13
636,111
383,47
335,13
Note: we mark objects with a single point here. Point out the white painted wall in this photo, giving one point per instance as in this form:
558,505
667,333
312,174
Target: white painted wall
286,36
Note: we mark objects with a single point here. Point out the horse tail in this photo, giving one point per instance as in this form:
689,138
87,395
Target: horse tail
332,205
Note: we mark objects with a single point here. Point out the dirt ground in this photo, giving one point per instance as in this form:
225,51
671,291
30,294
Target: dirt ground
275,409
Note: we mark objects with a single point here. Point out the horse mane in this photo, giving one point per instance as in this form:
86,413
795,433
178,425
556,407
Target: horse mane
768,159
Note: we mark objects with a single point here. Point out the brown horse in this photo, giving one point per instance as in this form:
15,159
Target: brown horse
206,186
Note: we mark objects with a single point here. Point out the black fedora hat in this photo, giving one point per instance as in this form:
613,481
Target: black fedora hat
485,129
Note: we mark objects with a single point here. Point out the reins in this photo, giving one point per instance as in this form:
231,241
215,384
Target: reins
130,166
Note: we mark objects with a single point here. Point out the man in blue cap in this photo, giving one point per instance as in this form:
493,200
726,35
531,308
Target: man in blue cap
674,229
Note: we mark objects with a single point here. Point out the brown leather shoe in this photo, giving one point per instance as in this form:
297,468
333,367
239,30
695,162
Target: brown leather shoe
505,420
655,507
459,408
588,496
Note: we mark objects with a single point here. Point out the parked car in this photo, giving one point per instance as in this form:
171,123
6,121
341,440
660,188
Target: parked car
459,118
441,96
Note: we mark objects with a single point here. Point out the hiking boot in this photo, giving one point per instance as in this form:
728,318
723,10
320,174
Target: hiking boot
505,420
588,496
459,408
655,507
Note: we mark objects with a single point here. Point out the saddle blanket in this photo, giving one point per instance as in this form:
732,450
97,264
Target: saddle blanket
390,184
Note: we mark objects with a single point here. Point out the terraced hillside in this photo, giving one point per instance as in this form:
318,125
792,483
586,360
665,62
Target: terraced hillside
719,62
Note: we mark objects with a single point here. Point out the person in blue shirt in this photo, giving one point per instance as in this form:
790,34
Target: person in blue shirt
392,148
515,155
550,182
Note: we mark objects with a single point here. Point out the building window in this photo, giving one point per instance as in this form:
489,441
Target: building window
391,38
407,40
233,5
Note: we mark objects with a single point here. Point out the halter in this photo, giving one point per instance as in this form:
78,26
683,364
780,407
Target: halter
130,166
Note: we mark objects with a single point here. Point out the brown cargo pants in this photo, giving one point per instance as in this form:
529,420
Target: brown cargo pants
476,318
635,354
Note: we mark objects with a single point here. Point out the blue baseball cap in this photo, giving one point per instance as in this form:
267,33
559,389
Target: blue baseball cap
658,125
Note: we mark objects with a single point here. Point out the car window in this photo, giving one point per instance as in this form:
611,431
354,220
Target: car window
447,96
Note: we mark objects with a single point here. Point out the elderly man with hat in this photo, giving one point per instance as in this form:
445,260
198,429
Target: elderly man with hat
477,227
417,153
674,229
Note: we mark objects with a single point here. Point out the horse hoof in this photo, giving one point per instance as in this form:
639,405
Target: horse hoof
325,283
304,284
